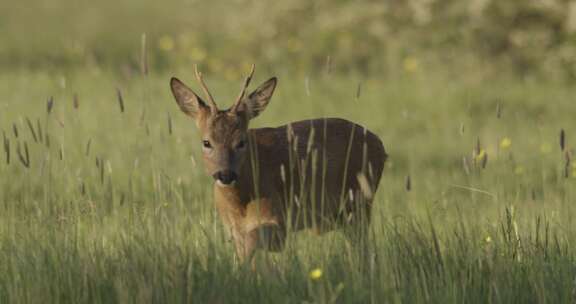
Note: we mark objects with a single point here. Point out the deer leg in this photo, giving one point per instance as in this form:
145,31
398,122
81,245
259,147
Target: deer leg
245,247
269,237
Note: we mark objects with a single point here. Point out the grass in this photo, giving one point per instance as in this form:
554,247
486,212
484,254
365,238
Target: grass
114,205
103,198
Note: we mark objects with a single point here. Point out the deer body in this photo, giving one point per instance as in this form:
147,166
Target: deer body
318,174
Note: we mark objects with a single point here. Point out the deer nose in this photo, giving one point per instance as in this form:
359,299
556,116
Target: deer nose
226,177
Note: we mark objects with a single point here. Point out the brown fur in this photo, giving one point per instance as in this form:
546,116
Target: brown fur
307,174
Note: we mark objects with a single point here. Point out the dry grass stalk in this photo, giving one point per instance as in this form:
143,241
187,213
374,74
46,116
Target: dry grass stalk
169,124
142,117
100,166
60,122
39,130
75,101
479,155
365,185
24,158
143,56
562,140
31,127
478,146
120,100
15,130
49,105
567,161
328,64
88,146
466,165
408,183
6,147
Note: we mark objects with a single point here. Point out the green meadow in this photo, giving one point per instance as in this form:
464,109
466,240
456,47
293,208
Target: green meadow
103,197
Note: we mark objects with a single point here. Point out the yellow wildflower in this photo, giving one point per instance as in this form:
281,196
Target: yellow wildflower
166,43
410,64
488,240
315,274
505,143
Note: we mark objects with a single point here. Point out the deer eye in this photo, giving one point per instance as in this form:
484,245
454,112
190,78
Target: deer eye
206,144
241,144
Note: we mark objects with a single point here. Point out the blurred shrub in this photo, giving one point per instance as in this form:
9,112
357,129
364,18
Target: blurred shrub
529,36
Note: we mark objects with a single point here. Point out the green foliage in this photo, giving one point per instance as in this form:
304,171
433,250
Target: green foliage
534,36
105,201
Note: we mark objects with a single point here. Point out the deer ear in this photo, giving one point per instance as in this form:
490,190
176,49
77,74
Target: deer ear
257,101
187,100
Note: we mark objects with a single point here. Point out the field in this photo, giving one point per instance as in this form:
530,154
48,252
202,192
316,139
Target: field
103,198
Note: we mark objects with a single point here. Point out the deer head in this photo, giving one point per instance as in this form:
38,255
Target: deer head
224,132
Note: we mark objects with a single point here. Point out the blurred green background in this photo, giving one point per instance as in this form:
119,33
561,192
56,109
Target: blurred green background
524,37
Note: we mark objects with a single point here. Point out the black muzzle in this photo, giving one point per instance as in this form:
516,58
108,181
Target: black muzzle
226,177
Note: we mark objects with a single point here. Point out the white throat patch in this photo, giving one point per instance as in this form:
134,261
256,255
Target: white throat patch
220,184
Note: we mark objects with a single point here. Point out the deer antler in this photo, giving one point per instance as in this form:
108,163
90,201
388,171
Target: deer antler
243,92
213,106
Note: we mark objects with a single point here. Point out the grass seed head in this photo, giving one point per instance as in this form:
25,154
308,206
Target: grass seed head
562,140
49,105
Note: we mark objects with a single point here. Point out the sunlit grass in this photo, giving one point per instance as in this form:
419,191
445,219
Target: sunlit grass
115,207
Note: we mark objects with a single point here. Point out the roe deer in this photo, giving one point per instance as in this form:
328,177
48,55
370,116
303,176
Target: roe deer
319,173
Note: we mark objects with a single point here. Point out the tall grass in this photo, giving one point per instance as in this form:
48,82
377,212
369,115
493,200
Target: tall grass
106,200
